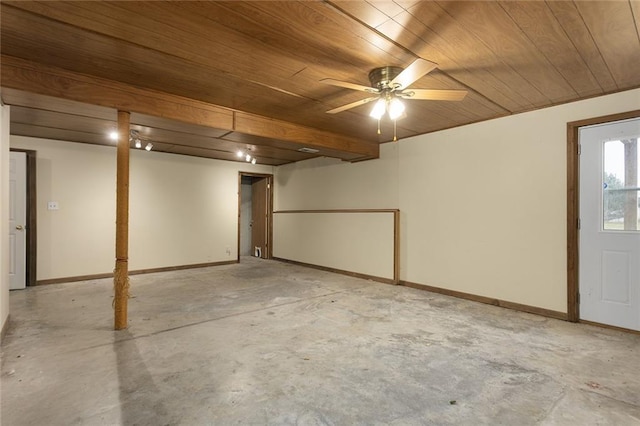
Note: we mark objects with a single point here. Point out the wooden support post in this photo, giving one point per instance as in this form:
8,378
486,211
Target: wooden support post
121,272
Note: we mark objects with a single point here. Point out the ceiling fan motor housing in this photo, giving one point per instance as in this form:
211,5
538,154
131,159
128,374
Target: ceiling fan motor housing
381,78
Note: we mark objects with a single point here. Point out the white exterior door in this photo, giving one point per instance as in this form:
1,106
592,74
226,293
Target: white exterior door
609,226
17,220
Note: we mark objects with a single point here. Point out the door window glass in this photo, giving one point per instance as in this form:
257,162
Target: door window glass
621,186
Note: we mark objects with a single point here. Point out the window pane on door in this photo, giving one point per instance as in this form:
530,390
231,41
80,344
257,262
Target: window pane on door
621,186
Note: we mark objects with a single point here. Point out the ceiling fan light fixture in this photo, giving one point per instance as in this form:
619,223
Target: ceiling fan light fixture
240,154
149,146
138,143
396,108
253,160
379,109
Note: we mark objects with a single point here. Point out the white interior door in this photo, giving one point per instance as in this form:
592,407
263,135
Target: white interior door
609,228
17,220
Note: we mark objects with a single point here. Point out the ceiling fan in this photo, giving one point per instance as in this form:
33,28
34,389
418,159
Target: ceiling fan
389,85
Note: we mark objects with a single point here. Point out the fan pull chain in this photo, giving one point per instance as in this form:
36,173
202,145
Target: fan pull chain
395,139
379,126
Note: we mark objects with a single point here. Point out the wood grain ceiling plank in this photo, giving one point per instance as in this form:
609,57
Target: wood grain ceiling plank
119,58
613,28
175,126
491,25
58,134
58,120
635,9
389,8
576,29
364,11
31,77
540,25
101,56
432,32
167,73
49,103
27,76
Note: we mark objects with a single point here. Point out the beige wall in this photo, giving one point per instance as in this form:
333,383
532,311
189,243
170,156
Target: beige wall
327,183
361,242
483,207
4,215
183,210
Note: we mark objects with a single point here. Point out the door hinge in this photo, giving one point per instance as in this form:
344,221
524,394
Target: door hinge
579,223
578,299
579,149
268,186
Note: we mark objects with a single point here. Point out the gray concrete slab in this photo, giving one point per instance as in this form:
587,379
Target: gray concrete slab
263,342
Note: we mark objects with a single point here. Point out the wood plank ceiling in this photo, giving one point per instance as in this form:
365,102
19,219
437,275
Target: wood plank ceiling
209,78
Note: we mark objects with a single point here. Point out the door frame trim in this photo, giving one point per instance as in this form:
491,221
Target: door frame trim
269,210
573,205
32,217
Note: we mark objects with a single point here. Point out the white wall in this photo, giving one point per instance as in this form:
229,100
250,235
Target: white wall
183,210
4,215
483,207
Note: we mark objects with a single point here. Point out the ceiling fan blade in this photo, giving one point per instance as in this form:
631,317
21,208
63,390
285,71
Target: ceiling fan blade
348,85
434,95
352,105
413,72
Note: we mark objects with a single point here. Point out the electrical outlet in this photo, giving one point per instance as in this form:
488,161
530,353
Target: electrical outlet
52,205
228,251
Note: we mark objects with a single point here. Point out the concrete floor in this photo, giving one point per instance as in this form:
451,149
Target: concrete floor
263,342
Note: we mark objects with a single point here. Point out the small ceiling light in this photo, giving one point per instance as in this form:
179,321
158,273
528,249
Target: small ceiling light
240,154
253,161
138,143
379,109
113,135
396,108
248,158
149,146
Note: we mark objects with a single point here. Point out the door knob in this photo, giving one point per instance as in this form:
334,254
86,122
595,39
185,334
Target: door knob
19,227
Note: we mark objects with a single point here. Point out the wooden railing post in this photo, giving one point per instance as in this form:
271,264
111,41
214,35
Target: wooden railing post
121,271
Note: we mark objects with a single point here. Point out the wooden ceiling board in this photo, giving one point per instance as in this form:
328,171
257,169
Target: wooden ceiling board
192,72
576,29
58,134
609,23
508,42
542,28
451,46
365,11
50,103
176,126
59,120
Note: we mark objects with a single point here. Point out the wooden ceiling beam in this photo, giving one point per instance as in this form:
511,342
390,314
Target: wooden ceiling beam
33,77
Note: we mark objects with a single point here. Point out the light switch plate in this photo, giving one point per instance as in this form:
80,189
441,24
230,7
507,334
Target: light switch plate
52,205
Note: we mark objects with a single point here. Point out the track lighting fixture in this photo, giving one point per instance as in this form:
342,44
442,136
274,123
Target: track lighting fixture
247,157
134,137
